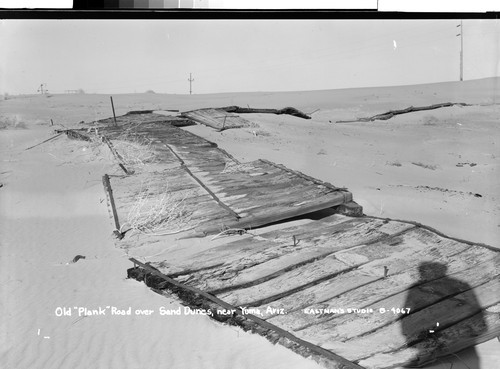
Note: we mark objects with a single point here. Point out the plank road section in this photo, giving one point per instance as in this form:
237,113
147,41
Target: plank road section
335,361
340,263
322,285
255,194
217,118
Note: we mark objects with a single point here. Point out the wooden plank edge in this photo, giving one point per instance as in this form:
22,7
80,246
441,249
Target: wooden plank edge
109,194
441,350
213,195
47,140
304,176
275,334
115,153
434,230
73,133
255,222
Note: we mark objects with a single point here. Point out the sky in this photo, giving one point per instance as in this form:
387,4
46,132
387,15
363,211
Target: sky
126,56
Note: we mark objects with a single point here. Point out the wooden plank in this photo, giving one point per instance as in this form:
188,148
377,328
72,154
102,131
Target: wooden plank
416,297
482,327
287,110
48,139
403,272
228,209
306,177
254,268
109,195
216,118
337,362
285,284
251,221
266,243
317,294
416,326
335,232
248,246
326,331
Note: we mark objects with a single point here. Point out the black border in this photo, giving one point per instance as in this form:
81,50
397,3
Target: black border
306,14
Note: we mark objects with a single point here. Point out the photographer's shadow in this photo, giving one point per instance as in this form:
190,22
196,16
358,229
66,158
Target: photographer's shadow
433,278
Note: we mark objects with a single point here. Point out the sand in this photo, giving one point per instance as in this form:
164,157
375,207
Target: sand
437,167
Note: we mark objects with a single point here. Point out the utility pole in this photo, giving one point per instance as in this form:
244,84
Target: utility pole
461,34
190,79
41,90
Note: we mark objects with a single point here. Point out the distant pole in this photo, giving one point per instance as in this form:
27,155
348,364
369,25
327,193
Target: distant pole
113,107
190,79
461,34
40,89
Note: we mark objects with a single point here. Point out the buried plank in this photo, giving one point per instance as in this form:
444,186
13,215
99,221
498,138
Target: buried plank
403,268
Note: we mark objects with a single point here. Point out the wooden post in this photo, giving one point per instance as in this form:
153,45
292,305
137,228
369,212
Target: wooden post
109,191
113,107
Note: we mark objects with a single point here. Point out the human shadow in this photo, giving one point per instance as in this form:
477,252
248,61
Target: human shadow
423,333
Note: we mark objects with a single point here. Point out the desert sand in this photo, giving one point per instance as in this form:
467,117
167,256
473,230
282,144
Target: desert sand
438,167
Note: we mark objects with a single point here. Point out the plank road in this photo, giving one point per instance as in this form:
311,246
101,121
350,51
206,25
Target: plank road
403,272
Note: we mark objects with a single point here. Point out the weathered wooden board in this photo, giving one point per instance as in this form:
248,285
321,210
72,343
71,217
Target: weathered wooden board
139,118
282,255
217,118
418,297
257,193
176,189
416,326
340,266
479,328
322,237
403,273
